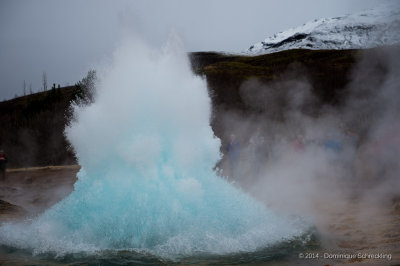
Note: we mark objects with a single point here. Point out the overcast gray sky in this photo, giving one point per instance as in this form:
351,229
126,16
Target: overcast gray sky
66,38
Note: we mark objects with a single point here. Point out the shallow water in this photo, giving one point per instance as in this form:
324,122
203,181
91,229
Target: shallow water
285,253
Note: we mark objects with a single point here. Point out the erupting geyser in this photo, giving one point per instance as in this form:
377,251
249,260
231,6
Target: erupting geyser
147,152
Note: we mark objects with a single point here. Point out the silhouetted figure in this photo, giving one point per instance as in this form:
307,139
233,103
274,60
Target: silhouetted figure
333,143
298,143
257,144
3,165
278,147
233,152
257,153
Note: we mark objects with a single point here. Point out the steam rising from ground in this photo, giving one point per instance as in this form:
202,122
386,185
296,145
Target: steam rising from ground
302,156
147,152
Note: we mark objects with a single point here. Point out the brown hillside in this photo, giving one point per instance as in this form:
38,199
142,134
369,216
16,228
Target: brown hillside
31,127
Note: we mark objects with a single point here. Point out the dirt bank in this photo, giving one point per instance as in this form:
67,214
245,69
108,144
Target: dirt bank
29,191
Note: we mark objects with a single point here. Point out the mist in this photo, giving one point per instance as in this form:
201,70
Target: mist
147,184
301,156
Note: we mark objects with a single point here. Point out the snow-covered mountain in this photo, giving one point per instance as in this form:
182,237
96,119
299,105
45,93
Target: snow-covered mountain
367,29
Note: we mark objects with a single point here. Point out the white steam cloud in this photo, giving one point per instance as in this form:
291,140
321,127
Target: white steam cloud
301,156
147,151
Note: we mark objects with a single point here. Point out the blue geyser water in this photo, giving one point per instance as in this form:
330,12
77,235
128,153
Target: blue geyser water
147,152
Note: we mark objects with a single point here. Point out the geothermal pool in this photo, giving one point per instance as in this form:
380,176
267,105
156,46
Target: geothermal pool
146,191
285,253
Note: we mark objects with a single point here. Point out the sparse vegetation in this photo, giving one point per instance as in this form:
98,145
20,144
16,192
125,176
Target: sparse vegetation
86,88
44,80
32,127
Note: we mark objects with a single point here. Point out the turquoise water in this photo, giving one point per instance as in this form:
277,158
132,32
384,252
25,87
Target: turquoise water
146,184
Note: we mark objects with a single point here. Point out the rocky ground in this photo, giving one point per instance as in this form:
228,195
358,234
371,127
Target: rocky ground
353,230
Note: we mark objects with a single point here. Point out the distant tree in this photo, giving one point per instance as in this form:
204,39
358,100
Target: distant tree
59,87
54,86
44,79
30,88
86,87
24,88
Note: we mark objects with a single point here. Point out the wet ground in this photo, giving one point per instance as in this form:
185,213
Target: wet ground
347,235
29,191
